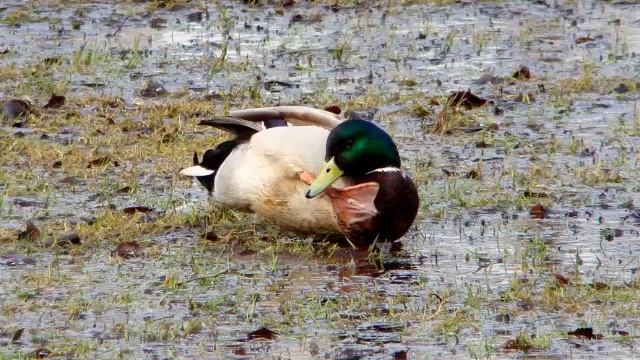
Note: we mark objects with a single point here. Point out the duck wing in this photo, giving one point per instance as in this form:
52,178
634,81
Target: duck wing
242,129
295,115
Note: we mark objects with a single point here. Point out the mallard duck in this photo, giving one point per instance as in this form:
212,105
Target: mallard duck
322,176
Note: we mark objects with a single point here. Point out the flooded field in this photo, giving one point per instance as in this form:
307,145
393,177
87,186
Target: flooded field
526,245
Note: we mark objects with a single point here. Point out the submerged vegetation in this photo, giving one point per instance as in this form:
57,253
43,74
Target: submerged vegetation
523,141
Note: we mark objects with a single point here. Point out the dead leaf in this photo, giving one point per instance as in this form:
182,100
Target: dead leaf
137,209
523,73
153,89
482,145
101,161
239,351
124,190
466,99
472,174
262,333
128,250
16,336
561,279
538,211
31,233
584,39
473,129
599,285
69,238
434,102
333,109
14,108
585,333
400,355
211,236
55,102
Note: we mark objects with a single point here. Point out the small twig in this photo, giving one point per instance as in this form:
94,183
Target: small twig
439,309
118,28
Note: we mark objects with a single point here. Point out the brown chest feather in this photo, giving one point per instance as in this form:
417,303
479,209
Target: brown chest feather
397,204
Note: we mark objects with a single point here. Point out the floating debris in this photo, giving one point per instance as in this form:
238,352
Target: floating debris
15,108
153,89
262,333
158,23
585,332
70,238
55,102
211,236
137,210
15,339
584,39
333,109
561,279
523,73
538,211
31,233
128,250
276,85
99,162
466,99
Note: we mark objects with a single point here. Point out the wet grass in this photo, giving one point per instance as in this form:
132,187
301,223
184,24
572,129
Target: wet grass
527,230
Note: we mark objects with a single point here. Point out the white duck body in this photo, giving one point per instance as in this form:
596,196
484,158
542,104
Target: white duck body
261,176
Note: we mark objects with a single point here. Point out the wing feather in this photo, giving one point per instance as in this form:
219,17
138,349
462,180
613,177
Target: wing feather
296,115
242,129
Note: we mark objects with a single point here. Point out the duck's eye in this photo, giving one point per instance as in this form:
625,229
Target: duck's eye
348,144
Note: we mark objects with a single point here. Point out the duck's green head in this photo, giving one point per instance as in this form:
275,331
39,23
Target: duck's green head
355,147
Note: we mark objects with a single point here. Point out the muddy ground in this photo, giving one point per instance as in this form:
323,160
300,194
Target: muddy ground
527,241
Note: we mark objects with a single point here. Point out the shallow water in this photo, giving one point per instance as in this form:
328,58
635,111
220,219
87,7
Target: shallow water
477,268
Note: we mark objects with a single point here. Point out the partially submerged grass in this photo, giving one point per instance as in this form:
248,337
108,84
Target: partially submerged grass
484,277
20,15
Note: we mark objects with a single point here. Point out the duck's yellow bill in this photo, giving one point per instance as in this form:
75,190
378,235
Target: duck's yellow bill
329,173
